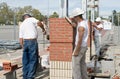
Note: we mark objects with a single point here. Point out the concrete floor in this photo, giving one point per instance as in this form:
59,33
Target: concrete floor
16,57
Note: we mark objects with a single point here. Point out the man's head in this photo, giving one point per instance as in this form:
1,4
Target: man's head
77,14
98,20
25,16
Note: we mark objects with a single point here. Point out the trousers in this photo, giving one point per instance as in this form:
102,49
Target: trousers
79,68
30,58
97,42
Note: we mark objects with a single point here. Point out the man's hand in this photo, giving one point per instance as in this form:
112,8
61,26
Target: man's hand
74,25
76,51
94,24
44,32
21,42
42,27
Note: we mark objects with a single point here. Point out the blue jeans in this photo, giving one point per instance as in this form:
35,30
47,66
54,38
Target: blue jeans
30,58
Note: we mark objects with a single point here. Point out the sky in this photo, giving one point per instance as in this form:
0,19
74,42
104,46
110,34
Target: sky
47,7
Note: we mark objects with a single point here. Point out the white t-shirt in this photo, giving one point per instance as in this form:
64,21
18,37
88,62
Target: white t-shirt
28,29
97,32
85,36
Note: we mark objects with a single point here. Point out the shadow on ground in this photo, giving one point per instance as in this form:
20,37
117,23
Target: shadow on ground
43,75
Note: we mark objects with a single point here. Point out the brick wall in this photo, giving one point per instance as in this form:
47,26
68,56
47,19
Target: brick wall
60,52
61,47
61,38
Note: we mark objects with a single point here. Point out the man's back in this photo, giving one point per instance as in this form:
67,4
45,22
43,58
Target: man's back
28,28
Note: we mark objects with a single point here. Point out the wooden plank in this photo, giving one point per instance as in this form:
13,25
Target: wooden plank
100,75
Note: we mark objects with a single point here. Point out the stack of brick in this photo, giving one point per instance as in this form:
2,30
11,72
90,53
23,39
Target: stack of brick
7,66
61,47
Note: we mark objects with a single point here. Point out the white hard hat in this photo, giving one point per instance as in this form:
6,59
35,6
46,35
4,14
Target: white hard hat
98,19
77,12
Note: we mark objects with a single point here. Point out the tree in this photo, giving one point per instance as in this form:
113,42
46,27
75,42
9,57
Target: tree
37,14
115,20
9,15
6,14
115,17
28,9
54,15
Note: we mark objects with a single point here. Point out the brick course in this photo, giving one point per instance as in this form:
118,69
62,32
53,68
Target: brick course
61,39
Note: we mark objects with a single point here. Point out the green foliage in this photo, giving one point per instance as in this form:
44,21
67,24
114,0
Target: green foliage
28,9
116,17
54,15
8,15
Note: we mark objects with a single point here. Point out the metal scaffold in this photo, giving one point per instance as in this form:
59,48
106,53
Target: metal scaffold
91,7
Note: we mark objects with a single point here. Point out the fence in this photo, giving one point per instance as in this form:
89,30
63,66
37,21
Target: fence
8,32
11,32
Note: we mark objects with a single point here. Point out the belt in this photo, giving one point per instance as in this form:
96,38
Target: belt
31,39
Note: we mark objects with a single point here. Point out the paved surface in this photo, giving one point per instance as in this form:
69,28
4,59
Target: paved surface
15,57
40,75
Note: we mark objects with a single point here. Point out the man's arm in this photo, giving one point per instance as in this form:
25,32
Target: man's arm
74,23
21,41
98,28
41,26
71,22
21,36
78,46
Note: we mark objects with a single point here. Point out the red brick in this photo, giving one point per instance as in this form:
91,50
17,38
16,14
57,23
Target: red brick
10,68
6,64
7,68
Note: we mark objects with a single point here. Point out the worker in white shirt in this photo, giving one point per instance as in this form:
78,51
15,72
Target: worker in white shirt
78,59
28,40
98,27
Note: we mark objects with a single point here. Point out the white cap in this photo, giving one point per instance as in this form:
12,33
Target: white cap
98,19
27,14
77,12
